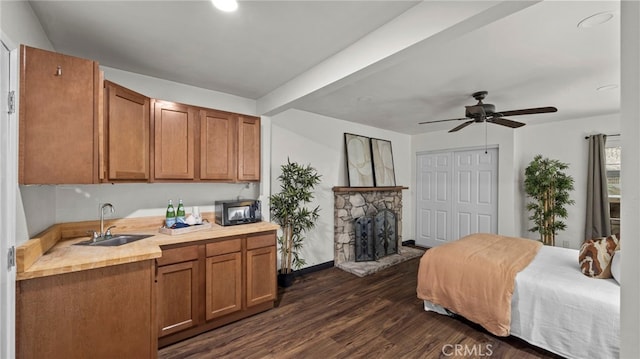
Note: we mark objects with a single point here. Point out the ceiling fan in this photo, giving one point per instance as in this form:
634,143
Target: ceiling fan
484,112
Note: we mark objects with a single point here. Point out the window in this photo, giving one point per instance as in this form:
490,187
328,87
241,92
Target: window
613,151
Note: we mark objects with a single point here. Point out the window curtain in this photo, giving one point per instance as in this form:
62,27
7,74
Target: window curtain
598,222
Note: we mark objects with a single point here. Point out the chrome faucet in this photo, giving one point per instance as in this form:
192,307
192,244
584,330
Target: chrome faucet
102,233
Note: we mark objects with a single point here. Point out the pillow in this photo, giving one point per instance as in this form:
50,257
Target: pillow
595,256
615,266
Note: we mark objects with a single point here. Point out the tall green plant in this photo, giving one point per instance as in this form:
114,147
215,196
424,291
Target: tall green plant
549,187
289,211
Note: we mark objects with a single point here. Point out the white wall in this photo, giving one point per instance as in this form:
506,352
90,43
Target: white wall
630,205
317,140
20,24
173,91
563,141
474,137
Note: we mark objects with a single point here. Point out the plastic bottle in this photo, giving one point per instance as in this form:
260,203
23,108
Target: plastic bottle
171,215
180,215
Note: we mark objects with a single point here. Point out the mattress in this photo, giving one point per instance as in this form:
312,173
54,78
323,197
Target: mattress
555,307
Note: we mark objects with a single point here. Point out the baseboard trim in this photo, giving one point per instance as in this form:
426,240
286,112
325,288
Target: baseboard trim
409,242
315,268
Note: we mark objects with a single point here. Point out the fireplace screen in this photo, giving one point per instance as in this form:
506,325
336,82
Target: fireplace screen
376,237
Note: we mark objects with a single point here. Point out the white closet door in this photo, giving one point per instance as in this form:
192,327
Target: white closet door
434,199
475,192
457,194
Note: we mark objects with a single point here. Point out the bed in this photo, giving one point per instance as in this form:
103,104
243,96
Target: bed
552,305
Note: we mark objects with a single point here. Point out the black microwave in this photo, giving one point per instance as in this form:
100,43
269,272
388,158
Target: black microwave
229,213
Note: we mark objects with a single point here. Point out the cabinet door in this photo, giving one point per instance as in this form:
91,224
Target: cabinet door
174,140
248,148
224,285
177,297
127,133
217,145
58,143
261,275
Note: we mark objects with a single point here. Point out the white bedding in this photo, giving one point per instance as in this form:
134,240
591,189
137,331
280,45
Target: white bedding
555,307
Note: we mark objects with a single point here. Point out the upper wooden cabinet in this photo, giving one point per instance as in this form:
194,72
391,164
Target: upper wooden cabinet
59,104
248,148
75,131
201,144
218,158
174,141
126,135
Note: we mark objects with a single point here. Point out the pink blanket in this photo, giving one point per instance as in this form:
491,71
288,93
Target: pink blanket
475,276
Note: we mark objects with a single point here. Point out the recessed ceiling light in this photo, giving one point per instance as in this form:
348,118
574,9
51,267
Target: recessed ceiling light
225,5
596,19
607,87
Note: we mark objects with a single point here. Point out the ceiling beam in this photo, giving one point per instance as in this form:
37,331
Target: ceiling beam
429,23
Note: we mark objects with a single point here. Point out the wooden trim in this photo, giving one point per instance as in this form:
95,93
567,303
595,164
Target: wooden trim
32,250
368,189
22,118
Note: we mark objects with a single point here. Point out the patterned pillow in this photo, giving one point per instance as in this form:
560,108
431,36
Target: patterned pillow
615,266
595,256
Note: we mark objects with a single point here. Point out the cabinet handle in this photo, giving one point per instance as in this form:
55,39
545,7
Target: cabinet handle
59,71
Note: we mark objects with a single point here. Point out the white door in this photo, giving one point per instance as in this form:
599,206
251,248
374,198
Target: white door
457,194
8,188
433,199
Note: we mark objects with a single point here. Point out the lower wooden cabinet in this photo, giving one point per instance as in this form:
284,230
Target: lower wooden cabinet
205,285
224,285
98,313
177,304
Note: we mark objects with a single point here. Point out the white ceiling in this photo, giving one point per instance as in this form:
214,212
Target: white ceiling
387,64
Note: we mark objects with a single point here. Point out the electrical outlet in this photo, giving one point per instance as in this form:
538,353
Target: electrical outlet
565,244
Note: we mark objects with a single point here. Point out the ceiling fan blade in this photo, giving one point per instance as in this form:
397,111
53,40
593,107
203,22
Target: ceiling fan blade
528,111
505,122
451,119
460,127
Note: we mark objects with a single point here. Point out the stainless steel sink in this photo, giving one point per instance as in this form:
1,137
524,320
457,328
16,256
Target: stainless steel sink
115,240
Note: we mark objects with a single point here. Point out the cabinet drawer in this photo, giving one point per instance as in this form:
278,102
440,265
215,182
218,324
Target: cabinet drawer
264,240
177,255
224,247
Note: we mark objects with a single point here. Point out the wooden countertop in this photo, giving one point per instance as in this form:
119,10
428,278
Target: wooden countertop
53,252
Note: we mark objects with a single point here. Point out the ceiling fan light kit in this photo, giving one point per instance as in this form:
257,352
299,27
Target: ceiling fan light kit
485,112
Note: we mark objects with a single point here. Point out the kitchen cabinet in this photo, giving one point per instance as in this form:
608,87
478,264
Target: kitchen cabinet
223,278
97,313
174,140
126,135
248,148
59,110
261,270
178,290
218,145
200,144
237,280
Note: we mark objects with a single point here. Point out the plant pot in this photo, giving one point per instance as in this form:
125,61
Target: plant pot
285,279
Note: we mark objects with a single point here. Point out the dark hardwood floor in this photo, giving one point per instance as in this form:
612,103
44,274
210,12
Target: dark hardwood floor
334,314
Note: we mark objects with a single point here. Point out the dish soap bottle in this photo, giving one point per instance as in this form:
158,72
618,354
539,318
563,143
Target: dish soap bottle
180,215
171,215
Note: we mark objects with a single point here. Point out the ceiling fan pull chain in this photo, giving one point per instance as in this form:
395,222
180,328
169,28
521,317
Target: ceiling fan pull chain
485,137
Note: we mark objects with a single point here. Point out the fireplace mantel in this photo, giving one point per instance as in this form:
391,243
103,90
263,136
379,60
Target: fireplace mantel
368,189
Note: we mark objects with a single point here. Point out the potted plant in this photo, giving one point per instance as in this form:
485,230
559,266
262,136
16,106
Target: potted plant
288,209
549,187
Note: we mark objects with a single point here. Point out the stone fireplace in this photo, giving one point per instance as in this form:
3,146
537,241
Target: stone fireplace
368,204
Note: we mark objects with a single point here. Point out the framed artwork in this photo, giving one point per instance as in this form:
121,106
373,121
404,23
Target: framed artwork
360,169
383,171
